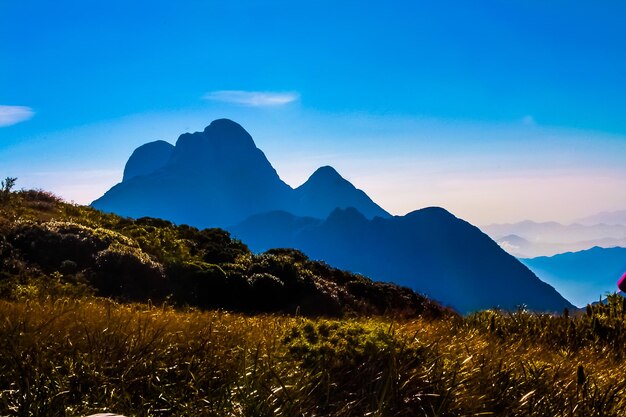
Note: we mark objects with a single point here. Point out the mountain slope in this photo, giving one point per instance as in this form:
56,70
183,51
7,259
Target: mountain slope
217,178
428,250
582,277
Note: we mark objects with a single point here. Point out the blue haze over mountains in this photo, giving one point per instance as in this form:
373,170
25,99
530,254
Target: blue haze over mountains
529,239
584,276
219,178
582,260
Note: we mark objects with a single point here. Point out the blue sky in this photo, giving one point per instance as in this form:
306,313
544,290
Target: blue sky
496,110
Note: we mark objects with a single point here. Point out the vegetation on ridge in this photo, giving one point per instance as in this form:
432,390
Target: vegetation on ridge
51,248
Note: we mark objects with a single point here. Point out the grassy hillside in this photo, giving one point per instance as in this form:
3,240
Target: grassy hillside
143,318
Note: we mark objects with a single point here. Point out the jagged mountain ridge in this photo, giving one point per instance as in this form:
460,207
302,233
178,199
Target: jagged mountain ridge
218,178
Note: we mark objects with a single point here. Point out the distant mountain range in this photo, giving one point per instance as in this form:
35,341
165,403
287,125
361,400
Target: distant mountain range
529,239
582,277
219,178
606,217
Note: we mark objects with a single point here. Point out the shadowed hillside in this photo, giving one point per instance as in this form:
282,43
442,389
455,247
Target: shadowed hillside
48,247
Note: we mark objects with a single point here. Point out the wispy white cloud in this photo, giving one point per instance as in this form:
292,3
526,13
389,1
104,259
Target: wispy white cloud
253,98
10,115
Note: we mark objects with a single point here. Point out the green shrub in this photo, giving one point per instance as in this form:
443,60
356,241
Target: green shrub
128,273
199,284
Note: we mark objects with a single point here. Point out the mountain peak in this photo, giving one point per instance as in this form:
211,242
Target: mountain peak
431,212
228,133
326,172
148,158
326,176
326,190
222,140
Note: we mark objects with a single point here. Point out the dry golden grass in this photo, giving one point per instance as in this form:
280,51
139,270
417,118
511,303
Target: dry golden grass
77,357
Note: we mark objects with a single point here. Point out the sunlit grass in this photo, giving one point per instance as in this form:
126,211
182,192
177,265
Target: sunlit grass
76,357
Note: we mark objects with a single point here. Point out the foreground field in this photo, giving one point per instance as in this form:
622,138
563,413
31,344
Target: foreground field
77,357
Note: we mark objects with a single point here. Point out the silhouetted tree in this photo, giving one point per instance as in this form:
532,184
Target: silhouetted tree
6,186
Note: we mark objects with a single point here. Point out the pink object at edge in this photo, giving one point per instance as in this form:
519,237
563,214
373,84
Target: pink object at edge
621,284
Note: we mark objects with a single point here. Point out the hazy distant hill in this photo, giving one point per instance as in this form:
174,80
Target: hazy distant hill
217,178
522,248
605,217
529,239
582,277
429,250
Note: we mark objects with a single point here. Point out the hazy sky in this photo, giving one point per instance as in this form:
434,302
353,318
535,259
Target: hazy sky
496,110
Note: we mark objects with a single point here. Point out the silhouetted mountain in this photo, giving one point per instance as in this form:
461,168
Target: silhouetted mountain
214,178
582,277
429,250
605,217
218,178
147,159
551,238
326,190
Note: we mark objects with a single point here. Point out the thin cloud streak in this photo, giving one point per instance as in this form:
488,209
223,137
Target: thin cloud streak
252,98
10,115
